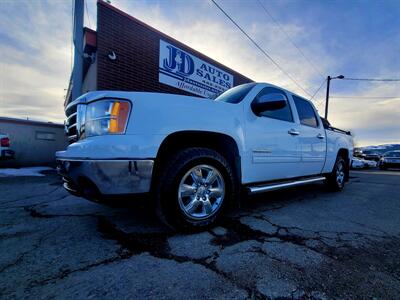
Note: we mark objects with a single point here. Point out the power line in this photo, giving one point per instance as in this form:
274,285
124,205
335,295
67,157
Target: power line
290,39
259,48
372,79
364,97
319,103
316,92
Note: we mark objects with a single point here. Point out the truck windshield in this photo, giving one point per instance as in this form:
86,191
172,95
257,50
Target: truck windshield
236,94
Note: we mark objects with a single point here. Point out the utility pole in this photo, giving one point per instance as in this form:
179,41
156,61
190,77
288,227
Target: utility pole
77,72
328,83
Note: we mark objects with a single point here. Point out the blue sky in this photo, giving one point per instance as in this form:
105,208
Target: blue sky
353,38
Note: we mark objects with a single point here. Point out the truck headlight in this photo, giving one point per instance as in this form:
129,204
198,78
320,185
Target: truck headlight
106,117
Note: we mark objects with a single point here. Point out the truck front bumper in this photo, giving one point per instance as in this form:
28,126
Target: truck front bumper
95,178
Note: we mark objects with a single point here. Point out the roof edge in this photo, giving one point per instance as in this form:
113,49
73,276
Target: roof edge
30,122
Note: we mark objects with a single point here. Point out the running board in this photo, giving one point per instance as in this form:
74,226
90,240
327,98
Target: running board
277,186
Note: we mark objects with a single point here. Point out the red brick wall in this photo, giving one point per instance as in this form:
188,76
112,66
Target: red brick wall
137,48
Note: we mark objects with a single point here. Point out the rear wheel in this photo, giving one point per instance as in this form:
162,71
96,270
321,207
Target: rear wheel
194,188
337,178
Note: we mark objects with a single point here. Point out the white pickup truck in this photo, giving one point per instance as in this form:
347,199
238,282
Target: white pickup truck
196,156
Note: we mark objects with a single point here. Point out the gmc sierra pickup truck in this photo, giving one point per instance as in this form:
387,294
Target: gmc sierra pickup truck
196,156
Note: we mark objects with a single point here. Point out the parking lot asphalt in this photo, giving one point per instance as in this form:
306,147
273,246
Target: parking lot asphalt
299,243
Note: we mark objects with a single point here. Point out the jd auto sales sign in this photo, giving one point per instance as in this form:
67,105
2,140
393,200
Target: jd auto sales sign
184,71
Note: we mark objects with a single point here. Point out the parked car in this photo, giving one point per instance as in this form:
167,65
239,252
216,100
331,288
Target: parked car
370,155
359,163
5,147
196,156
390,159
357,152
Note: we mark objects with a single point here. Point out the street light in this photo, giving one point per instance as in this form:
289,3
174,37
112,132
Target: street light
328,79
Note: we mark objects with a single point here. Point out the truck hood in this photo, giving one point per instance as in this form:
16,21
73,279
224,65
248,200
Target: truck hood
159,113
166,113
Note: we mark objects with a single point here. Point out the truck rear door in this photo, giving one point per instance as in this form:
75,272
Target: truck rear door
311,137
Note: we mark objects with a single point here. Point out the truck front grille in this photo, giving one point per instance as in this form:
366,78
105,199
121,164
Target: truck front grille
70,128
75,122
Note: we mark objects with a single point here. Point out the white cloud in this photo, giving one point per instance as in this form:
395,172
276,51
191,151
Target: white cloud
35,62
370,119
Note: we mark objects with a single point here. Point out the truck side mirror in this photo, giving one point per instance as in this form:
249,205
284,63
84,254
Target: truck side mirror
268,102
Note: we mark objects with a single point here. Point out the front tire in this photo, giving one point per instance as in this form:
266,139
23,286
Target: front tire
336,180
194,189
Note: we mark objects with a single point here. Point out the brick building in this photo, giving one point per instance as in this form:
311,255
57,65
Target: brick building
127,54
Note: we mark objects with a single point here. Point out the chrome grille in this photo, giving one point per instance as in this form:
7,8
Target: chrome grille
72,126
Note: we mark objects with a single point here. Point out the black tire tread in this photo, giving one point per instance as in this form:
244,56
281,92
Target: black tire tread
331,178
168,175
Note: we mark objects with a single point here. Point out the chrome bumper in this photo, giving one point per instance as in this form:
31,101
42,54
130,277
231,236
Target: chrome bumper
109,177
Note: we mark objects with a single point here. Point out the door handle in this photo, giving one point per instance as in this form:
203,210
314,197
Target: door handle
320,136
293,132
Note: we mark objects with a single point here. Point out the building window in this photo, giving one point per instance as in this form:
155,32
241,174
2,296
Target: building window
47,136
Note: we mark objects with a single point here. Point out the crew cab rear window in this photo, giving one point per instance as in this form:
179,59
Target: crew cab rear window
306,112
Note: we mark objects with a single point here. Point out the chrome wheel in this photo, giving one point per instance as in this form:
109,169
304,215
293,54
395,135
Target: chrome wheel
340,174
201,192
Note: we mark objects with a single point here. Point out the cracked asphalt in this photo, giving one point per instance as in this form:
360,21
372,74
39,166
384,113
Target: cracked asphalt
302,243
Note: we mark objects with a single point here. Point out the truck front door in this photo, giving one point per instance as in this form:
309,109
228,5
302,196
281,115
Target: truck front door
272,142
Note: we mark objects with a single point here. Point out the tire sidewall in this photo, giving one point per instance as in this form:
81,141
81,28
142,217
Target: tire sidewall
168,191
337,185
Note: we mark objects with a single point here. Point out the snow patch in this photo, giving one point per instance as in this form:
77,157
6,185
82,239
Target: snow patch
29,171
358,163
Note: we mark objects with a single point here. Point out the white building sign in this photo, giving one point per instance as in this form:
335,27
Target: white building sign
187,72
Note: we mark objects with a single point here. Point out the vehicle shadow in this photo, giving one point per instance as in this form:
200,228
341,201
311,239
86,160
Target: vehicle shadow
279,198
138,215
